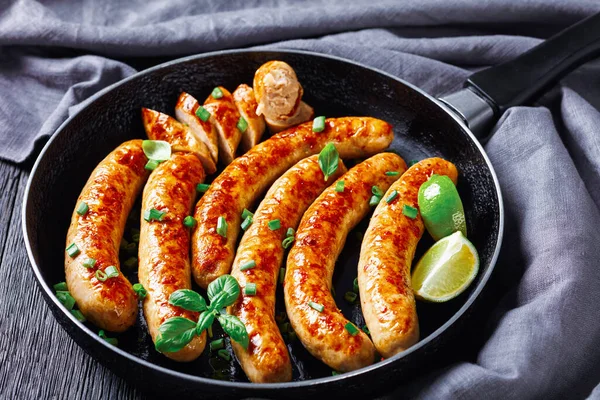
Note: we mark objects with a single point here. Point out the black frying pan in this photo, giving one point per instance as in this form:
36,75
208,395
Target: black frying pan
424,127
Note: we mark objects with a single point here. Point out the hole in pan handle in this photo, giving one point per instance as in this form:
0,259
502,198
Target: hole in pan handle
490,92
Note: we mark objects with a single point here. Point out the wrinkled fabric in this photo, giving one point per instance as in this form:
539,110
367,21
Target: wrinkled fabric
541,339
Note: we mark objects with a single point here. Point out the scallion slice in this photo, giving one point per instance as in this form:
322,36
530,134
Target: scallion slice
248,265
410,211
350,297
250,289
202,187
355,285
101,275
287,242
82,208
189,221
247,222
89,263
61,287
374,200
73,250
391,196
351,328
217,344
366,330
112,341
339,186
111,271
203,113
316,306
412,162
222,226
319,124
77,314
392,173
377,191
217,93
139,289
274,224
224,354
242,124
281,276
290,232
246,213
66,299
151,165
154,215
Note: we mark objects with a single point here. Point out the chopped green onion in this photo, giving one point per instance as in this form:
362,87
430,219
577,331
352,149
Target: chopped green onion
202,187
101,275
111,271
392,196
139,289
316,306
217,344
287,242
131,248
131,262
392,173
73,250
89,263
350,297
222,226
61,287
248,265
319,124
412,162
355,285
135,237
83,208
281,277
247,222
250,289
203,113
374,200
242,124
151,165
77,314
224,354
274,224
377,191
112,341
334,373
154,215
366,330
351,328
290,232
339,186
66,299
217,93
409,211
246,213
189,221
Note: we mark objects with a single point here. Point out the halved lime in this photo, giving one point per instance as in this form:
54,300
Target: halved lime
446,269
441,207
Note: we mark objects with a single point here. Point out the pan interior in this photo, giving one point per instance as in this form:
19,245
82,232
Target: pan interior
334,88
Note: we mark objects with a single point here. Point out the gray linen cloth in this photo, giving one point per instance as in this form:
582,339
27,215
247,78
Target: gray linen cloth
542,338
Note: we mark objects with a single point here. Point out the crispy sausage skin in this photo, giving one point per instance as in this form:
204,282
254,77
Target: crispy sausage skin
185,112
245,102
246,178
266,359
161,126
311,261
387,252
164,265
109,193
224,116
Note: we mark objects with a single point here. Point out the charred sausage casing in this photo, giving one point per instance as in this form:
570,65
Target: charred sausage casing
311,261
109,193
387,252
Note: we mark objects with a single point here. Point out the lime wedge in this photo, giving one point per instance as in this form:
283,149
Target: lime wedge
446,269
441,208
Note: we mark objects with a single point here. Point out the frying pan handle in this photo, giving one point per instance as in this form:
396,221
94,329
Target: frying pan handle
490,92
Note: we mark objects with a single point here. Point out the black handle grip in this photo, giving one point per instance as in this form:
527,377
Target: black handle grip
524,79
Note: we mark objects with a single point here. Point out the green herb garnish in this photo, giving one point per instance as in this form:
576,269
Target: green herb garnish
329,160
157,150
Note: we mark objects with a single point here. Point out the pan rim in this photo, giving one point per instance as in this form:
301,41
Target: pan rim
249,385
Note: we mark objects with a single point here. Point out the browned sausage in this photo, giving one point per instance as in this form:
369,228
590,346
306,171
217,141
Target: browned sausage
225,116
185,112
109,194
164,264
246,105
277,90
387,252
246,178
311,261
267,359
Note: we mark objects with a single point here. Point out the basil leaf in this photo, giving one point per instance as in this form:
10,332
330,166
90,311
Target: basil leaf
188,300
66,299
174,334
158,150
224,284
205,320
234,328
218,302
329,160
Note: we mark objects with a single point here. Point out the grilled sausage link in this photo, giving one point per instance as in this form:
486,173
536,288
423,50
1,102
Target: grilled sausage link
164,264
109,194
387,252
266,359
246,178
224,116
311,261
